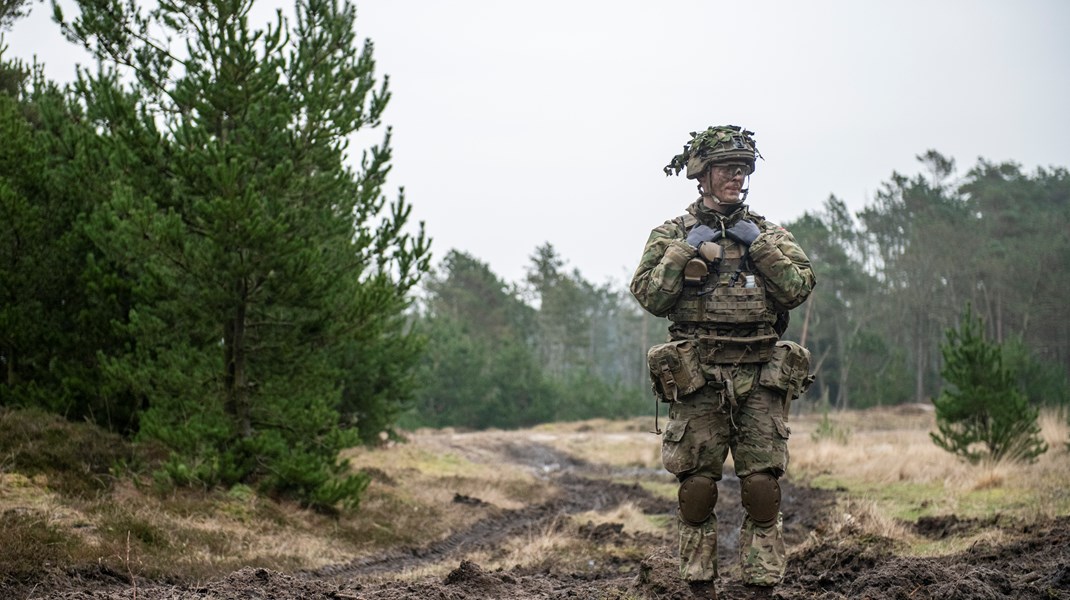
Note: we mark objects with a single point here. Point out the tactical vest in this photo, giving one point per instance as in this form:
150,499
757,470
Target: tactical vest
729,314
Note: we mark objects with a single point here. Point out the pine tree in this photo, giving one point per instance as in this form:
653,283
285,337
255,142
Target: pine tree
266,270
27,235
54,319
982,414
11,11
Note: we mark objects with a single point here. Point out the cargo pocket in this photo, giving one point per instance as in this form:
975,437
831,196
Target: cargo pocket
677,452
782,428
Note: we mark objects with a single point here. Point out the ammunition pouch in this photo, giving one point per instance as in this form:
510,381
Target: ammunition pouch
788,371
675,369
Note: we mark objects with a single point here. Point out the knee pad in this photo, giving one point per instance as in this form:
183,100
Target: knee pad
761,498
697,496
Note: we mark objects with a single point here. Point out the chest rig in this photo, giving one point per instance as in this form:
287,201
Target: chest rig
727,313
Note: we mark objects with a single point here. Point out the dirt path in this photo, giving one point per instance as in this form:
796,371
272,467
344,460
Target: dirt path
1034,563
583,487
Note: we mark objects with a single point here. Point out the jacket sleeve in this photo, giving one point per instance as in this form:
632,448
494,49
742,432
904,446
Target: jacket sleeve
660,277
788,275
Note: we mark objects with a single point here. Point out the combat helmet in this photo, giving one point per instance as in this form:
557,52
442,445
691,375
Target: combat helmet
721,143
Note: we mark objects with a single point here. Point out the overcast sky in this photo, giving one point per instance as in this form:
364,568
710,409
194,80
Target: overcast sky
519,122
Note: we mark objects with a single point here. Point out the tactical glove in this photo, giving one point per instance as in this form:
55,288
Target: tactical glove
702,233
743,232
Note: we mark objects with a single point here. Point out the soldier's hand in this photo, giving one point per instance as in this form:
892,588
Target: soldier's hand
743,232
702,233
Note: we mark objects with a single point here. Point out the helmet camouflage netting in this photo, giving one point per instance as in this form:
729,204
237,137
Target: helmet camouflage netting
721,143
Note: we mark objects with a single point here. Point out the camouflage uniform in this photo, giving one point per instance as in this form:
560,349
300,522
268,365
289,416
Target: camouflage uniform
732,411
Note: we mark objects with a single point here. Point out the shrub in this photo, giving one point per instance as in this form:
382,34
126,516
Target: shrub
982,413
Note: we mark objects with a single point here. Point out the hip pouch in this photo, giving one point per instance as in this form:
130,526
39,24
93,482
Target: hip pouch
788,371
675,369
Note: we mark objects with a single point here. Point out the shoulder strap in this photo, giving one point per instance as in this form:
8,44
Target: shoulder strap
757,219
686,222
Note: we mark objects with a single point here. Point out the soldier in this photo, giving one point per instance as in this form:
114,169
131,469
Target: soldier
725,278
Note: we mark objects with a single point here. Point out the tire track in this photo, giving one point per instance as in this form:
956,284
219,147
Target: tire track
577,493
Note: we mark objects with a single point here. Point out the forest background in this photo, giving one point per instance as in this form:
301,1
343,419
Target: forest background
892,279
186,257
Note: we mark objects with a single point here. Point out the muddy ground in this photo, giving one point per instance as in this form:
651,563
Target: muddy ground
1033,560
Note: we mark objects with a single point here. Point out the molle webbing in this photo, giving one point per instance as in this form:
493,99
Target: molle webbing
733,259
732,324
723,305
740,316
714,349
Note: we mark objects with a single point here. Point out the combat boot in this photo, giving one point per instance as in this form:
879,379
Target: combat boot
703,589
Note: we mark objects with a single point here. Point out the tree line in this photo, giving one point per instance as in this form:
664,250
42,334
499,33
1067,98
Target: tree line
892,279
897,274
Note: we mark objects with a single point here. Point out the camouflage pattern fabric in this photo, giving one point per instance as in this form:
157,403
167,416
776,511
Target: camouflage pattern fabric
703,428
762,555
732,413
698,551
659,279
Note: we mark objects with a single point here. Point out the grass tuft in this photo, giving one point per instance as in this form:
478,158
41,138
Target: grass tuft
76,459
32,545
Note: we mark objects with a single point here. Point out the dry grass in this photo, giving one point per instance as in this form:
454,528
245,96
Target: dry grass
892,467
860,515
196,535
554,543
1055,427
633,519
541,546
411,498
641,450
574,543
433,467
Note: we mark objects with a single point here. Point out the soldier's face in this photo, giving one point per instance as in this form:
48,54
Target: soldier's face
726,181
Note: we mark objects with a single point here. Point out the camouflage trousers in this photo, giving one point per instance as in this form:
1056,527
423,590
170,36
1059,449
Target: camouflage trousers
731,414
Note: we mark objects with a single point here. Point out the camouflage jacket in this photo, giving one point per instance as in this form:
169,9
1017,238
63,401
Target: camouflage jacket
784,267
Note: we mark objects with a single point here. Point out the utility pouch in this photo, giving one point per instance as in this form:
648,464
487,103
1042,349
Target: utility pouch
788,371
712,253
675,369
736,350
695,272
